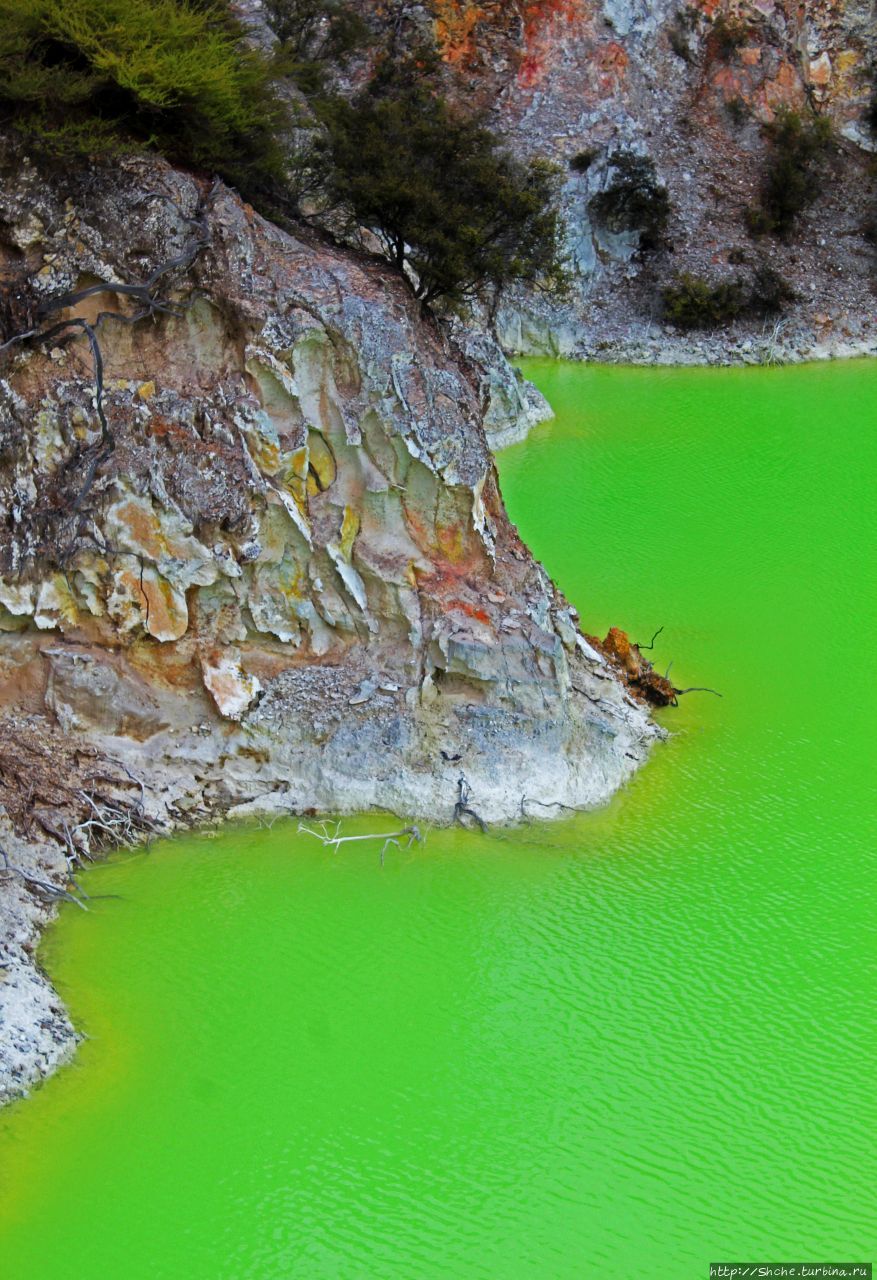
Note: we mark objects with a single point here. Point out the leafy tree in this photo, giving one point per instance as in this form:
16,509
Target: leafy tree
791,180
93,75
453,211
315,35
634,200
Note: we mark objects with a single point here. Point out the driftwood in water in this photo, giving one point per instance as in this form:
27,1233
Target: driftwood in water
322,832
638,673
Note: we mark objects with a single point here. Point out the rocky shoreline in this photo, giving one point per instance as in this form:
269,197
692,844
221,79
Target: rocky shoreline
256,557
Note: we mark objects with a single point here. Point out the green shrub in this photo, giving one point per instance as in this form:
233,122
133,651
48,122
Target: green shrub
769,293
634,200
446,203
582,160
96,75
791,181
695,303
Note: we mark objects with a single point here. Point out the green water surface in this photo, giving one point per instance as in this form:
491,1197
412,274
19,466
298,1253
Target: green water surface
620,1046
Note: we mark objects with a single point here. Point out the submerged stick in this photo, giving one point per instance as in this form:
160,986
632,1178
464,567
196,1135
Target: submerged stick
389,838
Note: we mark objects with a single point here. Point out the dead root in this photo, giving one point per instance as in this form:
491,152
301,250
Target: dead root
641,678
83,801
333,839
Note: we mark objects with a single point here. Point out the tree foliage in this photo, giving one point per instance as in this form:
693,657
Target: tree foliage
634,200
314,36
791,180
452,210
692,302
93,75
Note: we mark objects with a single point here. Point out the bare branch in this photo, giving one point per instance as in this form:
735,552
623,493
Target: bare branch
651,643
463,808
333,840
44,886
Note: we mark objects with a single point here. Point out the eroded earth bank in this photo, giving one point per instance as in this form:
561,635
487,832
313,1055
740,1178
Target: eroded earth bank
253,555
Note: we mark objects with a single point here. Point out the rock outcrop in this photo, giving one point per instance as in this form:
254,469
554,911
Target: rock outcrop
253,553
689,86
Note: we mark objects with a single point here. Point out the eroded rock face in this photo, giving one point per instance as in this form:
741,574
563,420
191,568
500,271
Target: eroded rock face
262,562
288,580
690,86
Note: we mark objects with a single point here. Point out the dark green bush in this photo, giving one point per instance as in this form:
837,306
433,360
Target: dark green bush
94,75
791,182
634,200
446,203
695,303
315,35
582,160
769,293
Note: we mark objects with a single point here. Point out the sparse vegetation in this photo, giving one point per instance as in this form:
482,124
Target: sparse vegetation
769,293
315,34
582,160
679,32
726,36
796,144
737,110
871,113
634,200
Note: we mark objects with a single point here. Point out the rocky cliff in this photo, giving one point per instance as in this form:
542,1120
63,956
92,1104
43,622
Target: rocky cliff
253,554
690,86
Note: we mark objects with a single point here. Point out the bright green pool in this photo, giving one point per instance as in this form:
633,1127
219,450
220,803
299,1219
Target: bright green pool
621,1046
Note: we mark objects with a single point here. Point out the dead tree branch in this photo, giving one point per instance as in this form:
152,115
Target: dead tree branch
83,801
463,808
44,886
651,643
333,840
